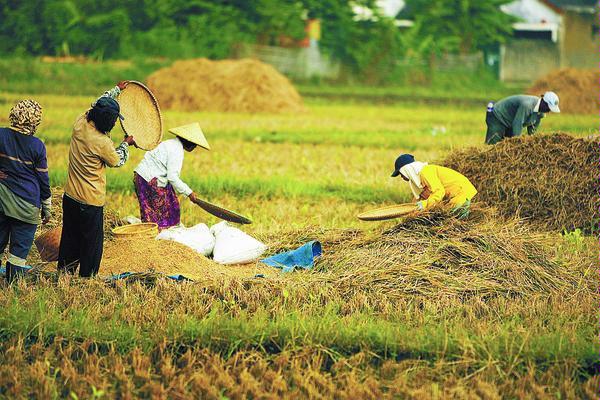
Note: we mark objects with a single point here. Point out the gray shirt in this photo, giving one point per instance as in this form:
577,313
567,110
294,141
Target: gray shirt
517,112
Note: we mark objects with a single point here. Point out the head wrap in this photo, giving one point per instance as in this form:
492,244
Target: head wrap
25,116
104,114
413,172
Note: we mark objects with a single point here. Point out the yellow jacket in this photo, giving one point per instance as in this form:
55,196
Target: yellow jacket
443,183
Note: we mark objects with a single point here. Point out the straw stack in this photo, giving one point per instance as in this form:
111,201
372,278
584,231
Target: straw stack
550,180
229,85
576,88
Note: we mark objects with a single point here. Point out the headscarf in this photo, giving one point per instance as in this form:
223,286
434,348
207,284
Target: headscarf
25,116
413,172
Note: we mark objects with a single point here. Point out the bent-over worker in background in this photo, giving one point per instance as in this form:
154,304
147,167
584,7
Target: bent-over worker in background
25,195
90,152
509,116
430,184
156,178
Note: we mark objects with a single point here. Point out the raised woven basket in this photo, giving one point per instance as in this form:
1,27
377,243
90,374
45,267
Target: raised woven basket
48,244
142,230
143,119
388,212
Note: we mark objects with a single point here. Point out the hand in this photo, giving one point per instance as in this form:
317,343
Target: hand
420,206
3,175
46,216
123,84
193,198
130,141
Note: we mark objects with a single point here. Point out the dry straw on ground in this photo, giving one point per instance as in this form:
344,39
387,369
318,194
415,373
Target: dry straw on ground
229,85
576,88
29,370
550,180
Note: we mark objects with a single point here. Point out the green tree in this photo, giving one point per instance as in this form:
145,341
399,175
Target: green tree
472,24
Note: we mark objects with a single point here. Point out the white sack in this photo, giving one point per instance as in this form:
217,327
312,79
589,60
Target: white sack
197,237
234,246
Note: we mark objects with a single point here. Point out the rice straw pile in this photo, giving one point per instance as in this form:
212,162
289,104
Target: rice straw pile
550,180
576,88
229,85
437,255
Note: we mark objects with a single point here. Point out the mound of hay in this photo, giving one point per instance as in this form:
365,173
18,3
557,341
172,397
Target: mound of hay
549,180
438,255
230,85
576,88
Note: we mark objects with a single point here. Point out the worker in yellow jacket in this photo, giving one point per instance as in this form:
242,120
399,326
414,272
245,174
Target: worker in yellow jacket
430,184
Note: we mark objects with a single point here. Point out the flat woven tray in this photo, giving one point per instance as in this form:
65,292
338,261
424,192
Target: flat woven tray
223,213
388,212
143,119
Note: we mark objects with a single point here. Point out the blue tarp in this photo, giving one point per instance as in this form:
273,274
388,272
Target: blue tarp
302,257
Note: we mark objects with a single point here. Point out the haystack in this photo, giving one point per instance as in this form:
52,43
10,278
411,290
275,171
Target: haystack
229,85
550,180
576,88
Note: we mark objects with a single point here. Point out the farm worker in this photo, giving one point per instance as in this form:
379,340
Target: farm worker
24,184
430,184
90,152
156,178
507,117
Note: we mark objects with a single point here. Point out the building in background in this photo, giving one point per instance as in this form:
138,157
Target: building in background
552,34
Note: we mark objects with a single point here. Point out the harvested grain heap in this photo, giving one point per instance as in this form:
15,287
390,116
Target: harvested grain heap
229,85
576,88
550,180
167,257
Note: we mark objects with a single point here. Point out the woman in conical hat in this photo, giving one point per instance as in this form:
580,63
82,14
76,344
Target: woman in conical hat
156,178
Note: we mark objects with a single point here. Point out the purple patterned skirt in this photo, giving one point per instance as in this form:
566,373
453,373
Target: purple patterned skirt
159,205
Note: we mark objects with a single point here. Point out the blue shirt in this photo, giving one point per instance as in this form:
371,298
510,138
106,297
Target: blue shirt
23,160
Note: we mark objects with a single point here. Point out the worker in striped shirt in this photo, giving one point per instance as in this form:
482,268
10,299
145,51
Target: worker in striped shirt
25,197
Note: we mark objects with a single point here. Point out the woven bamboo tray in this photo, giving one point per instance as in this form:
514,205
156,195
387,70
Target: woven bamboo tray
143,119
144,229
388,212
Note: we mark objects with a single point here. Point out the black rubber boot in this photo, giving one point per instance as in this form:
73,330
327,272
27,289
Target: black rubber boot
13,272
9,273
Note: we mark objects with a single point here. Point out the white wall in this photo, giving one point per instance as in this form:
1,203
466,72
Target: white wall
532,11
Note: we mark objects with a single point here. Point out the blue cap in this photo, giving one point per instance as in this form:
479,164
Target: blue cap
401,161
108,105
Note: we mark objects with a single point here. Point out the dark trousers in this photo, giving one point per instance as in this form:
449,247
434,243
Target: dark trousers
82,238
496,131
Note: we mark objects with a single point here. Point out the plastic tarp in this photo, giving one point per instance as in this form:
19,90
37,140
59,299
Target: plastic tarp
302,257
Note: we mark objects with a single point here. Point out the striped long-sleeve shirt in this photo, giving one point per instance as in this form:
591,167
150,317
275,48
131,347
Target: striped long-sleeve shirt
23,161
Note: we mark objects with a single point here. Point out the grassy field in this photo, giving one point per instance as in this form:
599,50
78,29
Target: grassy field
487,310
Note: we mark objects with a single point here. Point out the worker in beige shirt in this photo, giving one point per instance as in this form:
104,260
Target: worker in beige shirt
91,151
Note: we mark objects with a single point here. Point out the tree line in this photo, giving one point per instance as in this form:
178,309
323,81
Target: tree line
191,28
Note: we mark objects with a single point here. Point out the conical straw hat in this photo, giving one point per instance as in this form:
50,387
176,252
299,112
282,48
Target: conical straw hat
191,132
